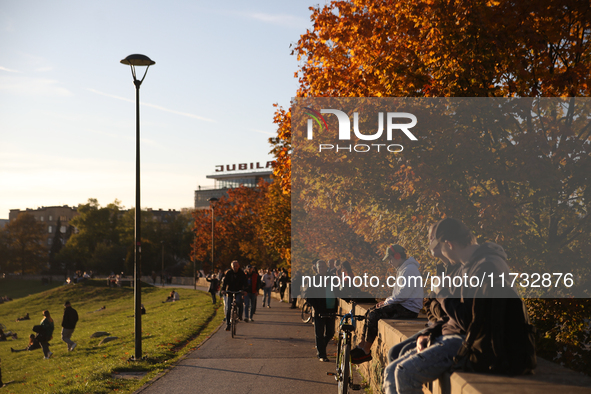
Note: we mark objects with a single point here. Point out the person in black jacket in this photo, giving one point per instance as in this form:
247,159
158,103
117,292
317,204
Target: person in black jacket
234,280
213,285
323,302
68,325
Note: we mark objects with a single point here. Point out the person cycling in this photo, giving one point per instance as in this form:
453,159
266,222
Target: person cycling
234,280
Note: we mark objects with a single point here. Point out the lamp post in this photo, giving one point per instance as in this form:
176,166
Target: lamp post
212,201
194,264
162,272
133,61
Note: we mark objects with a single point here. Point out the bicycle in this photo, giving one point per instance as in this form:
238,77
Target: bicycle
233,313
343,361
307,312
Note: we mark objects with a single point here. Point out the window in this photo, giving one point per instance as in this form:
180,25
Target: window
50,229
63,219
50,218
49,241
41,218
63,229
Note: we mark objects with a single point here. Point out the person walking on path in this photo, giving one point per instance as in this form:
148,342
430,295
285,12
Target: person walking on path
68,325
269,282
283,279
213,285
324,302
252,289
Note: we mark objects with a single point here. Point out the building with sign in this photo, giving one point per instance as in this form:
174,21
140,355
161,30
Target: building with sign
50,217
230,176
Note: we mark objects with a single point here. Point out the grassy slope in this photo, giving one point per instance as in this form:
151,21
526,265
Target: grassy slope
18,288
169,331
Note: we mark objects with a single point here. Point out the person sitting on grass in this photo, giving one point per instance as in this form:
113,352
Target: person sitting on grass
33,345
405,302
4,335
174,296
25,317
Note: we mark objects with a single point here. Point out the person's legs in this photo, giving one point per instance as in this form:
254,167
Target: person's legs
267,296
370,330
319,328
66,335
404,346
240,303
329,331
247,307
213,299
408,373
229,297
45,347
253,303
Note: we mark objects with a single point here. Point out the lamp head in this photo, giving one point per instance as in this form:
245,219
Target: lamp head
138,60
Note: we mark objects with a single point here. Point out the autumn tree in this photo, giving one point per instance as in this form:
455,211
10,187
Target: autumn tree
25,243
525,186
252,225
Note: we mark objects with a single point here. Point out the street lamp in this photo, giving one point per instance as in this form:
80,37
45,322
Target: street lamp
212,201
194,263
133,61
162,272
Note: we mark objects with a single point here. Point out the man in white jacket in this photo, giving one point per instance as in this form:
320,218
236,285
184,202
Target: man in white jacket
405,302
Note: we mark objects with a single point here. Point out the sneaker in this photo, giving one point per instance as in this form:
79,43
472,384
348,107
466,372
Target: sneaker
323,359
251,319
227,328
73,347
246,320
49,356
268,306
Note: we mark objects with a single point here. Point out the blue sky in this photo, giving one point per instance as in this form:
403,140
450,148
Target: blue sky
67,112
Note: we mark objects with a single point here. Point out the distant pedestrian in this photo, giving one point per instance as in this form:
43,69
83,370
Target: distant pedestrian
213,286
154,276
269,281
283,279
68,325
253,283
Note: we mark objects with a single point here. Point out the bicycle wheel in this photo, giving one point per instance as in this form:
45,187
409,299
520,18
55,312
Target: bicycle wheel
234,321
345,366
338,358
306,313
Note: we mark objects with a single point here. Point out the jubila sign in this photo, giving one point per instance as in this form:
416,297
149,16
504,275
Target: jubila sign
243,167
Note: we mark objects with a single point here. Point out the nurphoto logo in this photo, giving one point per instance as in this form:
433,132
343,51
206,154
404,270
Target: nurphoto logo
345,130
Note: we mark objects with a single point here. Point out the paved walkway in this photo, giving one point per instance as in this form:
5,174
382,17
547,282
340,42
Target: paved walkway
273,354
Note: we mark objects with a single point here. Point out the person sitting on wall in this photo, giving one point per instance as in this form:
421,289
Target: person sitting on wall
405,302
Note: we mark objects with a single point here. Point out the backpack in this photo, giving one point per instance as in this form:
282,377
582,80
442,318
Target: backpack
500,339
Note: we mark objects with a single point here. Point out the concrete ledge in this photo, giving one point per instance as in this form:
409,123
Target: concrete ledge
548,377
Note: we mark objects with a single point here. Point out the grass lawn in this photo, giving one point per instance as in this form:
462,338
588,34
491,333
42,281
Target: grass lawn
169,331
18,288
